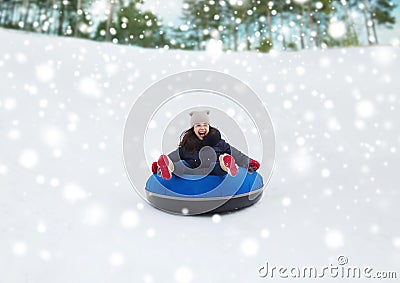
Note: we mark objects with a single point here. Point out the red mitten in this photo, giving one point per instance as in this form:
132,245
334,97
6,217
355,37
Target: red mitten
154,167
254,165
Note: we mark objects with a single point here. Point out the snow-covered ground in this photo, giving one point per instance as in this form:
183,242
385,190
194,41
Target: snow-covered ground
68,212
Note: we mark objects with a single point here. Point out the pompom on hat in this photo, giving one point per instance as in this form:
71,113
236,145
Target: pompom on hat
197,117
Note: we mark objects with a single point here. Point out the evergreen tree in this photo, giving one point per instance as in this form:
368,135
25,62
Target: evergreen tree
266,9
201,18
283,9
298,9
133,27
248,24
377,12
381,12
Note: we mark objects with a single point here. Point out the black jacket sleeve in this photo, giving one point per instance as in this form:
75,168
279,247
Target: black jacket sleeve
175,156
242,160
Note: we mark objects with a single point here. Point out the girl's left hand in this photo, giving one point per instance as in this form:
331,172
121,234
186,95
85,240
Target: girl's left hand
254,165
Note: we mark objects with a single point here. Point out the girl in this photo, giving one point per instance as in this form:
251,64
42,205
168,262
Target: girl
201,151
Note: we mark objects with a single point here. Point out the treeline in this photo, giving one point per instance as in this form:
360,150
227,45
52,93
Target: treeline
234,24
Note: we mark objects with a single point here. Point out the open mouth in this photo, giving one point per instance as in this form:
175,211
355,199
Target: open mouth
202,134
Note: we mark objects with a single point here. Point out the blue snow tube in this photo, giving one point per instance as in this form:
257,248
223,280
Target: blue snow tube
195,194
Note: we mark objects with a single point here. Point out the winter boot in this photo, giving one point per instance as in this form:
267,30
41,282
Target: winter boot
166,167
228,164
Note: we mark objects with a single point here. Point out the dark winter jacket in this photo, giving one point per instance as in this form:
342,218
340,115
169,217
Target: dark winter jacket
212,147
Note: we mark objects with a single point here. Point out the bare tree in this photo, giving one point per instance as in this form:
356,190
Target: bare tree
109,20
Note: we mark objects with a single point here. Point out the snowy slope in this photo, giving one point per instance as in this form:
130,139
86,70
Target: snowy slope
69,214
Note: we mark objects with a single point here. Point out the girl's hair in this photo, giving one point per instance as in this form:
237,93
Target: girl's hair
190,142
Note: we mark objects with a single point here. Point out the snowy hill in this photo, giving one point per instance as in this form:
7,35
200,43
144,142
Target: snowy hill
69,214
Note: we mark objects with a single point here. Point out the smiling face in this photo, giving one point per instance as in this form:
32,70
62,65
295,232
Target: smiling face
201,130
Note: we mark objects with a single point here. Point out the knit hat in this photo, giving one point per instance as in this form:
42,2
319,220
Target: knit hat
199,117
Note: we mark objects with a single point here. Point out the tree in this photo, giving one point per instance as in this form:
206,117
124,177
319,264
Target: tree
299,12
132,26
201,18
283,9
231,24
377,11
381,12
190,28
237,23
79,13
266,9
62,4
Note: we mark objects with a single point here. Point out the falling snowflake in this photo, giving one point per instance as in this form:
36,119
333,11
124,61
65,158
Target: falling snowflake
265,233
10,103
287,104
300,141
54,182
216,218
45,255
337,29
300,70
214,48
129,219
286,201
41,227
183,274
94,215
3,169
53,136
333,124
249,247
150,233
365,109
325,173
334,239
73,192
20,248
396,242
45,72
301,161
116,259
89,87
28,158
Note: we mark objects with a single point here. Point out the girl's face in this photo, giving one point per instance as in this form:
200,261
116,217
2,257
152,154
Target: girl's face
201,130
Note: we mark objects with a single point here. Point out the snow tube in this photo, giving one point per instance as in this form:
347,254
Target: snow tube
195,194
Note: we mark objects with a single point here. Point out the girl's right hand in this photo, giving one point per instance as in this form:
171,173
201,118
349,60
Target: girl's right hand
154,167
